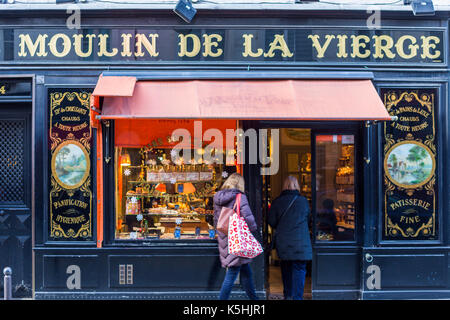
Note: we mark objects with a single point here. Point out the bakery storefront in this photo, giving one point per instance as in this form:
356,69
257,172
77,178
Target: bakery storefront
161,187
134,124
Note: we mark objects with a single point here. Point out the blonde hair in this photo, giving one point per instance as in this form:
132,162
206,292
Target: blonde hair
234,181
291,183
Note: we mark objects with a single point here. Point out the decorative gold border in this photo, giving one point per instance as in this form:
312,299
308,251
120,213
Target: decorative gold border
424,100
88,166
84,231
391,99
55,101
425,228
412,186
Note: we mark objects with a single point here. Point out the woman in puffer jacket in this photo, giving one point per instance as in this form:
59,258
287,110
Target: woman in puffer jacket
226,197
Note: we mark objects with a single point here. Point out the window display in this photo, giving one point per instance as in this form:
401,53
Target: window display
157,198
162,200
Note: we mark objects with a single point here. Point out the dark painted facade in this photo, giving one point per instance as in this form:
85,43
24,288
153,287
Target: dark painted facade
409,268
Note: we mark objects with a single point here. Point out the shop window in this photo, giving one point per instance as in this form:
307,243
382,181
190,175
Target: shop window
157,198
335,188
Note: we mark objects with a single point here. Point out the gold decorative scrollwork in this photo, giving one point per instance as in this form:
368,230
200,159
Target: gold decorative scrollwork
83,232
389,186
429,142
55,140
389,138
55,186
424,100
70,136
85,140
394,229
430,186
86,185
70,96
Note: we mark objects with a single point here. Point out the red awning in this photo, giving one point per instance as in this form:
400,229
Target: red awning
246,100
115,86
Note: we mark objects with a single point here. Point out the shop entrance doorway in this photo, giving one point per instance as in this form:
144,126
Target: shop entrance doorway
323,162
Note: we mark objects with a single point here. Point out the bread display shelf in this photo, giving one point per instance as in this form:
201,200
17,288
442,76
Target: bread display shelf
179,214
148,195
171,181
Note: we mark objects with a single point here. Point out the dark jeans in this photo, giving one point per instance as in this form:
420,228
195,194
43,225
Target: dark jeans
293,273
246,282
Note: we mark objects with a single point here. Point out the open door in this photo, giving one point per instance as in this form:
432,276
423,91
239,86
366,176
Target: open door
294,159
327,160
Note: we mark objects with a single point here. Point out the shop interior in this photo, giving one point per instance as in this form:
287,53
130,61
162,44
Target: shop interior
332,202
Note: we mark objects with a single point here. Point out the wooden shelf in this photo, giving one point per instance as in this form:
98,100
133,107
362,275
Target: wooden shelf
145,195
189,214
178,181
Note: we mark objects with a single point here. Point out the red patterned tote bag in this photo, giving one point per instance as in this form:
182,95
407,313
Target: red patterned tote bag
241,241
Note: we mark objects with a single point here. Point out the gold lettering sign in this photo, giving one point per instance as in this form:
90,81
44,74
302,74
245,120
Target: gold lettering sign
195,40
340,46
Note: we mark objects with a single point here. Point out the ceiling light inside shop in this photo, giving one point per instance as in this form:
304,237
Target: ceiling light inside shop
125,160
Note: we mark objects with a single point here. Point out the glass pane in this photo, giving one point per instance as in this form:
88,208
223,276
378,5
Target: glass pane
335,190
157,198
292,162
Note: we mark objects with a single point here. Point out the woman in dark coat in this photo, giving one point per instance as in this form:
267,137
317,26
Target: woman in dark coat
292,240
226,197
